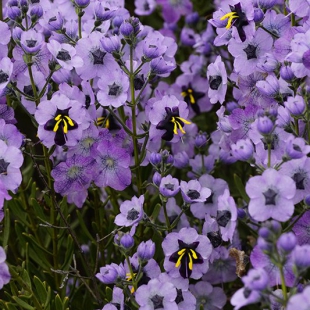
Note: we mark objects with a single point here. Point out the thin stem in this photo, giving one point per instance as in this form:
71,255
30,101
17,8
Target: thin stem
46,83
80,14
33,85
166,215
134,121
269,154
296,127
134,284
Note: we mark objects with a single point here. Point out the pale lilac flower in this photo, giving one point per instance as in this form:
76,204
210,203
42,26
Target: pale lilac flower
5,276
271,196
193,191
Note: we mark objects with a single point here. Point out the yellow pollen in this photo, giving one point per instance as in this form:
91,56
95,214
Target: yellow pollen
65,126
181,251
178,125
194,254
192,99
57,125
107,124
230,16
178,263
190,263
69,120
57,118
183,93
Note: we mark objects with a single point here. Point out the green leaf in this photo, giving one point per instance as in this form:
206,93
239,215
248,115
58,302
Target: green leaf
58,303
48,297
38,209
156,211
83,226
36,246
108,293
241,188
40,288
69,253
10,306
26,278
17,209
23,304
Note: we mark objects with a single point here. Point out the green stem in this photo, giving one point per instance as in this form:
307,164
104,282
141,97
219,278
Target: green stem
80,14
53,216
134,121
269,154
33,85
134,284
283,285
296,127
142,89
166,215
46,83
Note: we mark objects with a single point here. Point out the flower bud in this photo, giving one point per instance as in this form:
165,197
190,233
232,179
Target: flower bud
287,242
192,19
82,3
156,178
36,12
146,250
127,241
155,159
111,44
265,125
296,105
126,29
200,140
258,15
287,73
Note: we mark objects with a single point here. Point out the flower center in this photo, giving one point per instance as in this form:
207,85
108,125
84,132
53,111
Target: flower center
3,77
193,194
186,257
179,297
172,123
132,214
63,55
191,97
115,90
299,179
31,43
61,124
250,51
157,301
98,56
215,238
74,172
223,217
3,166
270,197
215,82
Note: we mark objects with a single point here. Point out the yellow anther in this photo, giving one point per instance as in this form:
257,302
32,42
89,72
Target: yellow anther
230,16
65,126
57,125
192,99
57,118
180,127
107,124
190,91
194,254
190,263
184,120
183,93
178,263
69,120
181,252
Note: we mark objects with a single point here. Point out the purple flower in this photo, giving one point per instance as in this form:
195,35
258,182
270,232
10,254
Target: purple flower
261,260
5,276
161,67
114,170
226,215
6,69
193,191
296,105
111,273
73,177
113,91
302,229
207,296
95,58
244,297
248,54
169,186
300,301
10,134
65,55
209,206
31,41
186,254
131,212
271,196
173,10
242,150
144,7
217,77
61,120
146,250
157,295
11,160
299,171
